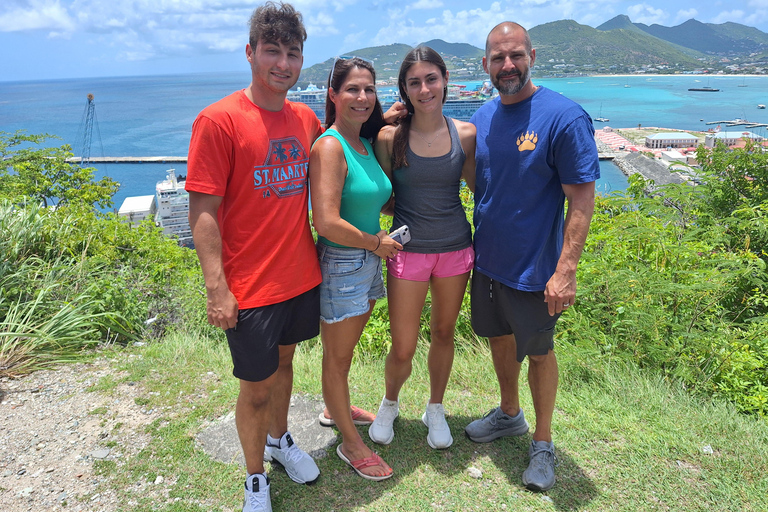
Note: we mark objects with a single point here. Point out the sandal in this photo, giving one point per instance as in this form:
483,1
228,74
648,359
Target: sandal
359,465
359,417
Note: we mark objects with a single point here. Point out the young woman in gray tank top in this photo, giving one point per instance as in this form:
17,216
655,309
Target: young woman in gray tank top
426,157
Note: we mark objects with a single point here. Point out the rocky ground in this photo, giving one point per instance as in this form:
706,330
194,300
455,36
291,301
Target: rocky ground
55,432
57,427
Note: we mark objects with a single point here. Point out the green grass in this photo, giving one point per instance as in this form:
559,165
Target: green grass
626,440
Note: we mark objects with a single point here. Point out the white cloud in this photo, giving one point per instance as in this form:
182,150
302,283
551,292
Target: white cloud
427,4
321,24
353,41
35,15
644,13
466,26
735,15
686,14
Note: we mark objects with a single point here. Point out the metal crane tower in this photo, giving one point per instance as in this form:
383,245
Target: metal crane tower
87,130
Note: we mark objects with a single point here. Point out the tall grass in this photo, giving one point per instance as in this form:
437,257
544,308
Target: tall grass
71,278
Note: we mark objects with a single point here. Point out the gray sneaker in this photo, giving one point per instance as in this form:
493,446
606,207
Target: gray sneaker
257,494
496,424
540,475
301,468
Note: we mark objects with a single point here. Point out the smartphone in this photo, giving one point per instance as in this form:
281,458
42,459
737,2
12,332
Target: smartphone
401,235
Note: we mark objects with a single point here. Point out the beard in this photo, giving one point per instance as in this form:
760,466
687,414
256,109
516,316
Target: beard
509,88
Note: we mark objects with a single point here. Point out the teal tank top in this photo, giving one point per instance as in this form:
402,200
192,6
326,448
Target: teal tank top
366,188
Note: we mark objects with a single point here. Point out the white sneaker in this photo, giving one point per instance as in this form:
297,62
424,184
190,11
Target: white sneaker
257,494
439,436
301,468
381,430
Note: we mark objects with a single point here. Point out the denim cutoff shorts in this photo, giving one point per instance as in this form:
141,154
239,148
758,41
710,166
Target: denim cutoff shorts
351,277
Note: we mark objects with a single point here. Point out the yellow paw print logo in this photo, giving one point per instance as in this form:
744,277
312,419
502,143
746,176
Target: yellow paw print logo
527,142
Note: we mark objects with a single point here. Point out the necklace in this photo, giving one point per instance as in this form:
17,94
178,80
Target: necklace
429,144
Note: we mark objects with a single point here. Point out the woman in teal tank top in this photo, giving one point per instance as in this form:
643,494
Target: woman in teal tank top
348,191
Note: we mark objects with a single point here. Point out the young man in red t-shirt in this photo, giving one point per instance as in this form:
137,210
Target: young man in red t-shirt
247,181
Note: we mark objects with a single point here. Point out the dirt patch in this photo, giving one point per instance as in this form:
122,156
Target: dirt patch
55,433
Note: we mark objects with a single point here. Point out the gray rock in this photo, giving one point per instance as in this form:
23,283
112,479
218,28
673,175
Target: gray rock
474,472
100,454
219,439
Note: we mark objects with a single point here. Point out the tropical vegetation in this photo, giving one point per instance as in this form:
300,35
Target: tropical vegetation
674,281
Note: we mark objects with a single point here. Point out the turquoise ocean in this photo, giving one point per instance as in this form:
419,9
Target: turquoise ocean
153,115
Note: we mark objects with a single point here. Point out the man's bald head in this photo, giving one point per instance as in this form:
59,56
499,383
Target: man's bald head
508,27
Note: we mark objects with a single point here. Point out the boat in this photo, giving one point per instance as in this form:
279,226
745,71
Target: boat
315,97
461,104
706,88
761,106
600,118
173,208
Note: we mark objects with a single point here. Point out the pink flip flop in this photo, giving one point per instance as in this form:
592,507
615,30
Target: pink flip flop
359,465
359,417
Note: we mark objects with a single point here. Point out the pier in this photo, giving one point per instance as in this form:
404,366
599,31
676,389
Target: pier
130,159
738,122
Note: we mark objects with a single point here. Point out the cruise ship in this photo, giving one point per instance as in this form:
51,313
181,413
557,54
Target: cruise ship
173,208
461,104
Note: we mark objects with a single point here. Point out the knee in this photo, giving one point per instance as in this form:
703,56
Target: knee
442,334
402,355
541,359
337,364
255,395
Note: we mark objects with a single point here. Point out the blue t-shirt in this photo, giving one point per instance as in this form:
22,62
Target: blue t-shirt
525,152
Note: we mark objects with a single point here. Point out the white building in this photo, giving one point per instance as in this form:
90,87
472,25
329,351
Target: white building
673,156
671,140
137,208
730,138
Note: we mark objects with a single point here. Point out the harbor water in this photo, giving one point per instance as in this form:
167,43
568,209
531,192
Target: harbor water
152,116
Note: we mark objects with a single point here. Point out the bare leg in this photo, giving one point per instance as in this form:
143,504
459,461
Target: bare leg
504,353
280,399
339,340
406,301
542,379
447,294
252,418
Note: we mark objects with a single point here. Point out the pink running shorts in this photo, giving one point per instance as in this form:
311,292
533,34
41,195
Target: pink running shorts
414,266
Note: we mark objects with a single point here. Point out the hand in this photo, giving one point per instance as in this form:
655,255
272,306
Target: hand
394,113
222,308
387,248
560,292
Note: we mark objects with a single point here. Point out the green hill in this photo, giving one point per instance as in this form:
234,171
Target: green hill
567,44
709,38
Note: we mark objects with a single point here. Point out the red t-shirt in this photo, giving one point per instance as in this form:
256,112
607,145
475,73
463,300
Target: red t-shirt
257,161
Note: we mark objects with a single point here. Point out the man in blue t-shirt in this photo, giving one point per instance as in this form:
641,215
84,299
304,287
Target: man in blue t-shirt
535,149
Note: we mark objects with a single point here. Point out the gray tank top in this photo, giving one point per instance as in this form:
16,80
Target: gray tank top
427,200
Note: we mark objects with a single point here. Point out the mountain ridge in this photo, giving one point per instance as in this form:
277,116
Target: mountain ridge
565,47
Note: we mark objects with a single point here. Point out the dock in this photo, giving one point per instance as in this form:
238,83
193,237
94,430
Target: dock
130,159
738,122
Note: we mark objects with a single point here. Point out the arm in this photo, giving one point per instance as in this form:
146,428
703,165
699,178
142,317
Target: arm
222,305
327,173
383,151
395,112
561,287
467,134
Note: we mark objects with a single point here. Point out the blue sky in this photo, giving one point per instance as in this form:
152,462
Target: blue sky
50,39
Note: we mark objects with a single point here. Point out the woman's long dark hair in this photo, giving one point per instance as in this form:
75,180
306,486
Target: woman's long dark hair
340,70
418,54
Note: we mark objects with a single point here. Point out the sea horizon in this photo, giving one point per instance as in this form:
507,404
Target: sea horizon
152,115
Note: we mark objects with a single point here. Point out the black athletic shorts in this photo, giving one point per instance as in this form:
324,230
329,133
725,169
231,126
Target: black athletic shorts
498,310
254,342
